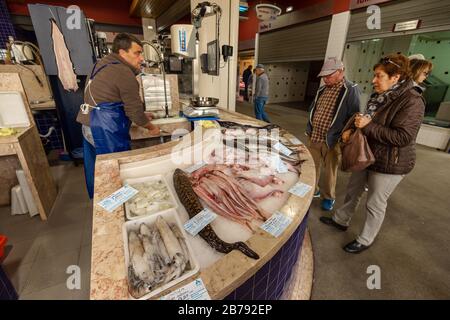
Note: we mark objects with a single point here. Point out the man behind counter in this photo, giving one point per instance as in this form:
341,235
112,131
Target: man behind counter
111,103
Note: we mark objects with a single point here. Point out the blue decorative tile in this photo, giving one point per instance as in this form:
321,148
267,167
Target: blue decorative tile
6,26
269,282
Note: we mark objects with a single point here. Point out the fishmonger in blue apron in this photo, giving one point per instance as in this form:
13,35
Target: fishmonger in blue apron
109,131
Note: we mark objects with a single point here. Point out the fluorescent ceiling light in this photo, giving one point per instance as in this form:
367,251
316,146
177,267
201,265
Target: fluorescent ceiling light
150,27
243,6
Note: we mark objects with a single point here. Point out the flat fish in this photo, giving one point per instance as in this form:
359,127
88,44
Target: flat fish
190,201
66,74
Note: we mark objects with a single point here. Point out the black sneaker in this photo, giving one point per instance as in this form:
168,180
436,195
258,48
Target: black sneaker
331,222
355,247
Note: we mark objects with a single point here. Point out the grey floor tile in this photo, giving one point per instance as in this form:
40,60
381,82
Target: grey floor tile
22,252
62,218
87,233
56,292
49,272
59,241
26,230
84,263
18,273
84,260
59,173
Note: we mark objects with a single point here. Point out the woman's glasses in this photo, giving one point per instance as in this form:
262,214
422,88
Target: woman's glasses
387,61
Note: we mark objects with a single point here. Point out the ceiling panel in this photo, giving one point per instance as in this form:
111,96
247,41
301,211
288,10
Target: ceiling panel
150,8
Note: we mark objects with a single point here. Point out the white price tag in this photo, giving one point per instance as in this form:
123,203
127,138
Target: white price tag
201,220
195,167
300,189
277,223
295,141
195,290
281,166
118,198
282,148
277,164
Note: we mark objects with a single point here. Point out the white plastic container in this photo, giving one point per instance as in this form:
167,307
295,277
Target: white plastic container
132,181
29,199
18,204
13,113
171,216
183,40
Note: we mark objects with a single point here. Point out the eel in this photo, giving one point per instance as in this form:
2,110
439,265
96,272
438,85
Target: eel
192,204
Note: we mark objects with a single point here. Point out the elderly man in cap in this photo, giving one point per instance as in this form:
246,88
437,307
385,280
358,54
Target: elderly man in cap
261,93
334,104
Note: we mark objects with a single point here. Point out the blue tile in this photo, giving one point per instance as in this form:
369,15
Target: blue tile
264,271
270,281
260,290
274,270
6,26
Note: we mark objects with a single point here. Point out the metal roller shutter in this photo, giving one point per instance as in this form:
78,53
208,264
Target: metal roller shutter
435,16
304,42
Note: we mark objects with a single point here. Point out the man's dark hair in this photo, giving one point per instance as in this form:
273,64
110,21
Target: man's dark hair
124,41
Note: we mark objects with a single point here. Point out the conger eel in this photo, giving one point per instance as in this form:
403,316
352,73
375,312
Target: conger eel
193,206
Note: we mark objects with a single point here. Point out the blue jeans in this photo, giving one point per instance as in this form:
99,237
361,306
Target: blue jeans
260,114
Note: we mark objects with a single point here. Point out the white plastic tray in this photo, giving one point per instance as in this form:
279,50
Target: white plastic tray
13,112
132,181
171,216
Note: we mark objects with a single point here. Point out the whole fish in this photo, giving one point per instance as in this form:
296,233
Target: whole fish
230,124
267,148
193,206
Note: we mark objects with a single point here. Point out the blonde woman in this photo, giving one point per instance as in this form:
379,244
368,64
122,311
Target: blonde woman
420,70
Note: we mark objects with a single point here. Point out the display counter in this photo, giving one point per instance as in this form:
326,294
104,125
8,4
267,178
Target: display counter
226,276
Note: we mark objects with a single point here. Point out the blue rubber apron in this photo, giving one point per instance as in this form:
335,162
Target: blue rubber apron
110,131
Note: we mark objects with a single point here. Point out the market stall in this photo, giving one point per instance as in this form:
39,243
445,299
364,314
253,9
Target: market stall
23,144
260,267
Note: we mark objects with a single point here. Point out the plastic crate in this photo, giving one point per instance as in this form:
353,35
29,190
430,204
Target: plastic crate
3,240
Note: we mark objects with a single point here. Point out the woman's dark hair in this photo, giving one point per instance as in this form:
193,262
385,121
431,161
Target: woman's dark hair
124,41
395,64
418,66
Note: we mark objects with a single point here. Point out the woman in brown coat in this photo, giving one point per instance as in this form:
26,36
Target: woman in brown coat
391,123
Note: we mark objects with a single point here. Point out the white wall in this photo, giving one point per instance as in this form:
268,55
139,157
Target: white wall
223,86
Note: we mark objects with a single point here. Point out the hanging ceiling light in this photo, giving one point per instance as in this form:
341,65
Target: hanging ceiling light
267,11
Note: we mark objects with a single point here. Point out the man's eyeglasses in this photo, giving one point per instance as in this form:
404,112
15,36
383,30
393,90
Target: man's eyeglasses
387,60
